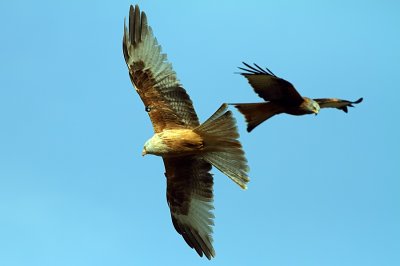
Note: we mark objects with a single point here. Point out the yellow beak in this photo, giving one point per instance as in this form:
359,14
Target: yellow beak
144,152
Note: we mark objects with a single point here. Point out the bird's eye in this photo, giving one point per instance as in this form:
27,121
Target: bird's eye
147,108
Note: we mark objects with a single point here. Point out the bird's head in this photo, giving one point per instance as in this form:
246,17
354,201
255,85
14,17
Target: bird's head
315,107
311,106
155,145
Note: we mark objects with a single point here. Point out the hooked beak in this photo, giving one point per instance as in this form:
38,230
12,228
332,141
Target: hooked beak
144,152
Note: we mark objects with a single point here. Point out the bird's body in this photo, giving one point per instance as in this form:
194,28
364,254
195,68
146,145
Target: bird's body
281,97
188,149
174,142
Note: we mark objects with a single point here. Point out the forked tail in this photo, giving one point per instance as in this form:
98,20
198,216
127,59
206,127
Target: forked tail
222,147
256,113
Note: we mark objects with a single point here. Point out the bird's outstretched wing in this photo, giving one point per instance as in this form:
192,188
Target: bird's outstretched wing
270,87
336,103
190,199
166,101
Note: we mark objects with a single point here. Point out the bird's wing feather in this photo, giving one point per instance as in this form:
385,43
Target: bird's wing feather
270,87
336,103
190,199
168,104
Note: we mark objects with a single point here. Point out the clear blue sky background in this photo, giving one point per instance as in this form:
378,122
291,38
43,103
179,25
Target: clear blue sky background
75,190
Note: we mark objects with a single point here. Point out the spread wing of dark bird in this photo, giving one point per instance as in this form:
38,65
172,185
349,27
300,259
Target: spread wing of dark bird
337,103
270,87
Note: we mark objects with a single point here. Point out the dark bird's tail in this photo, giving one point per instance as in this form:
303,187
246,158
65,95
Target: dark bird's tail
256,113
222,147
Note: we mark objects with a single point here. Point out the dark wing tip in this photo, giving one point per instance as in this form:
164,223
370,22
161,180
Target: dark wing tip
192,239
247,71
359,100
137,22
255,70
344,108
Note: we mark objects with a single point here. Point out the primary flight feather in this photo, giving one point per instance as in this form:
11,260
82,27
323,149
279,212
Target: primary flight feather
188,148
281,97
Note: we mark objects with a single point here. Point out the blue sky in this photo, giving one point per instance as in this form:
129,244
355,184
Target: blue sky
75,190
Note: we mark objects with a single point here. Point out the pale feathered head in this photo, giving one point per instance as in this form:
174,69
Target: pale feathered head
155,145
310,106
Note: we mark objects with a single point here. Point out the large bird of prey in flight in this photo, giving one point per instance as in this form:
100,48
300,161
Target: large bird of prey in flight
188,148
281,97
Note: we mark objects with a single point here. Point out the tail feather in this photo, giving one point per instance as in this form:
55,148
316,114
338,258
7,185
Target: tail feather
256,113
223,149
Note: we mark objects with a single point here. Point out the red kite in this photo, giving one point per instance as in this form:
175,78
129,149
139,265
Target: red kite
281,97
188,148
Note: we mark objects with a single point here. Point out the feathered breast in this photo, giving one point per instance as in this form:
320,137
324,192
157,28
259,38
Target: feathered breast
182,141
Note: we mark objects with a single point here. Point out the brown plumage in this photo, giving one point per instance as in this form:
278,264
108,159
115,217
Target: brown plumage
281,97
188,149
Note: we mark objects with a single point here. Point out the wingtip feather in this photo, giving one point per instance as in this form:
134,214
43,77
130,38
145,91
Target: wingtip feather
359,100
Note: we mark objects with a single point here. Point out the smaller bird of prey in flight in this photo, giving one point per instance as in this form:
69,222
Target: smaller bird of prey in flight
281,97
188,148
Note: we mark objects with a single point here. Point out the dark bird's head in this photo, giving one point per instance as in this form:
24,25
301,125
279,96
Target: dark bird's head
310,106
